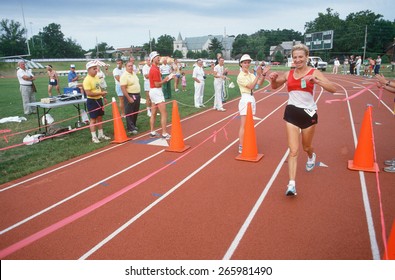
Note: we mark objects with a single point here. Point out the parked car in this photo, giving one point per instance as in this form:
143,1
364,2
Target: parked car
318,63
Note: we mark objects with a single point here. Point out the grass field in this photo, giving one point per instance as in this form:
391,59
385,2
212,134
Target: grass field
20,161
23,160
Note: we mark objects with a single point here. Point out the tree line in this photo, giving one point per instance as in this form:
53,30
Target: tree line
349,38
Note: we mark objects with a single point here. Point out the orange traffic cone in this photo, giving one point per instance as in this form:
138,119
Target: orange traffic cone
390,245
250,150
364,154
176,140
119,130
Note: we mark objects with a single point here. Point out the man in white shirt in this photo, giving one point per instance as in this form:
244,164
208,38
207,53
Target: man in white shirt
117,73
199,76
219,79
26,78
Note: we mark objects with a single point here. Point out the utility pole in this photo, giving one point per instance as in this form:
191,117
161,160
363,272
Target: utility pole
364,48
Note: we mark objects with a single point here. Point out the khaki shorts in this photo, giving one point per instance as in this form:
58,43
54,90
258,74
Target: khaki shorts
156,95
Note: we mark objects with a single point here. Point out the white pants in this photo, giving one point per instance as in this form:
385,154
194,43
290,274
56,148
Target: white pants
199,92
218,87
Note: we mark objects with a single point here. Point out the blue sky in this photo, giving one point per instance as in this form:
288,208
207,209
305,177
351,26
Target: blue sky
129,22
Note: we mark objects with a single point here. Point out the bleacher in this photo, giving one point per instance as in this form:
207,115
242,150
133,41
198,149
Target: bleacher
65,73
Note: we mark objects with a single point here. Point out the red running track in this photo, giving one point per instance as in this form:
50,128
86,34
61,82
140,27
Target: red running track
136,201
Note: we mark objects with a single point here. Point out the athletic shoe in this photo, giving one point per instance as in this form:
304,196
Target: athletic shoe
149,113
134,132
240,149
390,162
390,169
154,134
166,136
104,137
95,140
291,190
310,163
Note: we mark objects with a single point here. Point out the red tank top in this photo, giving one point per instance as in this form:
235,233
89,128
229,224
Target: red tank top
296,84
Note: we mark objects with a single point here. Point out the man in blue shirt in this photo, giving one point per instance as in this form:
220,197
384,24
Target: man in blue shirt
73,78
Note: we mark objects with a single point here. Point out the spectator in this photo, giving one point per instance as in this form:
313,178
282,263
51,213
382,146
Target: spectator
247,82
26,87
156,95
301,112
345,65
352,64
377,65
130,86
177,74
145,71
199,77
53,80
336,65
102,78
94,102
165,70
372,66
117,73
73,79
358,64
219,83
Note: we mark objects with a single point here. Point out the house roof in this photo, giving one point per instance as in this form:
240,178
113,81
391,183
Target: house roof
196,43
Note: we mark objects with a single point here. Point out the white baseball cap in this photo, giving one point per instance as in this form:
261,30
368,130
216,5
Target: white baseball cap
90,64
153,55
72,66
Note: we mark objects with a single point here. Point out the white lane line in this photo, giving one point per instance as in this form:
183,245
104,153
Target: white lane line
368,213
233,246
149,207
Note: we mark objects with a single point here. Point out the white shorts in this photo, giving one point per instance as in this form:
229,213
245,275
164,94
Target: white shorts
146,85
245,98
118,90
156,95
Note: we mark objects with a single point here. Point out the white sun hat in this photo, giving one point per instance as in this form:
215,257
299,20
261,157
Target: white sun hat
153,55
245,57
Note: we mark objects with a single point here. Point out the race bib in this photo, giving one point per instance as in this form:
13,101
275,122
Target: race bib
310,112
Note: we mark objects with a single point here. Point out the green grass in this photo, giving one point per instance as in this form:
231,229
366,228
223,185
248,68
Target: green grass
23,160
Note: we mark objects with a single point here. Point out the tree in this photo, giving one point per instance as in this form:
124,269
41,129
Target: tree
215,47
165,45
53,41
177,54
12,40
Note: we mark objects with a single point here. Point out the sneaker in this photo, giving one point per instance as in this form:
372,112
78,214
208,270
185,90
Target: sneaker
390,168
240,149
154,134
221,109
149,113
166,136
104,137
390,162
310,163
291,190
95,140
134,132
